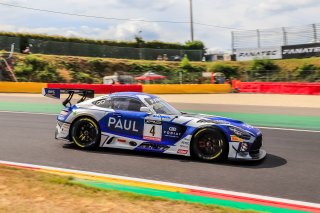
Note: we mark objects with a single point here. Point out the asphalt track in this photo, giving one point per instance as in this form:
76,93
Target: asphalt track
290,171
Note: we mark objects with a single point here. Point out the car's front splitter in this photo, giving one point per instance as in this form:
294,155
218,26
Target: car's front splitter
247,157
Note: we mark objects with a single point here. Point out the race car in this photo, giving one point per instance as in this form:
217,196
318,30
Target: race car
145,122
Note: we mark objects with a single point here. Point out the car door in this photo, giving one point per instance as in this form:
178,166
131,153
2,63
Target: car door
126,120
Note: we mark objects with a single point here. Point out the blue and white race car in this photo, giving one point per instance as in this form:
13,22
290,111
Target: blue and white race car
144,122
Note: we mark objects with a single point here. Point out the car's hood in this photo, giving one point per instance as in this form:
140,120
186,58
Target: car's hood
218,120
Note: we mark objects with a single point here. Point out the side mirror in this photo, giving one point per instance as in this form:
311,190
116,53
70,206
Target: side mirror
145,109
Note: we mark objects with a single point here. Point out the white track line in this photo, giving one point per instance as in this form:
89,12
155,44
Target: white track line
285,129
30,113
260,127
245,195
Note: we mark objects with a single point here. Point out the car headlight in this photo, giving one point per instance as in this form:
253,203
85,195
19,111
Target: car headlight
240,133
244,147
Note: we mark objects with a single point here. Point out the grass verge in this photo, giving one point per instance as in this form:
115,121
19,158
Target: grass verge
30,191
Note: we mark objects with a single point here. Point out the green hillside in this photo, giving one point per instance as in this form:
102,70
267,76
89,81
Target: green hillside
51,68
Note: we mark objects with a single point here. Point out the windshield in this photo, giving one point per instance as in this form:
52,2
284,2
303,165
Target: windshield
161,107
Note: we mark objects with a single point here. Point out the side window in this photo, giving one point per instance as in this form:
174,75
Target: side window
104,103
126,104
135,105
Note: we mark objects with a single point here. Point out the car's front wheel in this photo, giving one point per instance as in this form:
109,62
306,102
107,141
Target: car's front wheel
209,145
85,133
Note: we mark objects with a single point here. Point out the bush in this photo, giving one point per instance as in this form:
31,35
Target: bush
308,72
185,64
194,45
81,77
98,66
263,70
263,66
35,69
227,70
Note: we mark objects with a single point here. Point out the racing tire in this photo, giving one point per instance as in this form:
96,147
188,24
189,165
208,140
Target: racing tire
85,133
209,145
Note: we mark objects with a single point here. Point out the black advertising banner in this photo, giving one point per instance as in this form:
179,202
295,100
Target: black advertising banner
301,51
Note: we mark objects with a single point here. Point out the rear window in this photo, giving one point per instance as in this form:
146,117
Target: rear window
104,103
127,104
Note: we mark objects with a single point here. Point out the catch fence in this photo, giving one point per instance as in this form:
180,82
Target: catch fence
49,47
275,37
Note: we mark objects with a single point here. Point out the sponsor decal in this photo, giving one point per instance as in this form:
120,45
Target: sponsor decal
182,151
185,142
154,122
51,92
301,51
121,140
247,126
154,100
151,138
100,102
122,124
152,130
174,132
184,146
258,53
161,116
235,138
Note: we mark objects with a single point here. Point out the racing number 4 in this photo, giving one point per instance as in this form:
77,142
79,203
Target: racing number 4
152,130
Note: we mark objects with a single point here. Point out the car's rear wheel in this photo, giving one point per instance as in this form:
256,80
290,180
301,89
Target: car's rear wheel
209,145
85,133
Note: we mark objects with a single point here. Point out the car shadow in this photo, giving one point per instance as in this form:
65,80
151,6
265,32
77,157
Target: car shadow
271,161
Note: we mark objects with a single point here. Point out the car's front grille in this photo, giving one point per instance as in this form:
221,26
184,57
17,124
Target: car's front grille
255,147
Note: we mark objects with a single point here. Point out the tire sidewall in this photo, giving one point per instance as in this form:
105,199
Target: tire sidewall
76,125
222,155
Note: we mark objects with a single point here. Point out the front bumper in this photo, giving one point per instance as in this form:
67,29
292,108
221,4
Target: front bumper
246,156
62,131
247,150
259,156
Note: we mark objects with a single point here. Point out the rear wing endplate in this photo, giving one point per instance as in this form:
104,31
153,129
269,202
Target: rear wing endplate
56,93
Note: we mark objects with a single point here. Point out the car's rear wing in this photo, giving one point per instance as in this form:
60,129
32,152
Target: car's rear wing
56,93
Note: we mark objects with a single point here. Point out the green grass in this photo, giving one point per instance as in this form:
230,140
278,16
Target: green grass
92,70
61,189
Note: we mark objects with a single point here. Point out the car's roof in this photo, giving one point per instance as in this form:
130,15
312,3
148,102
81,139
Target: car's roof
131,94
